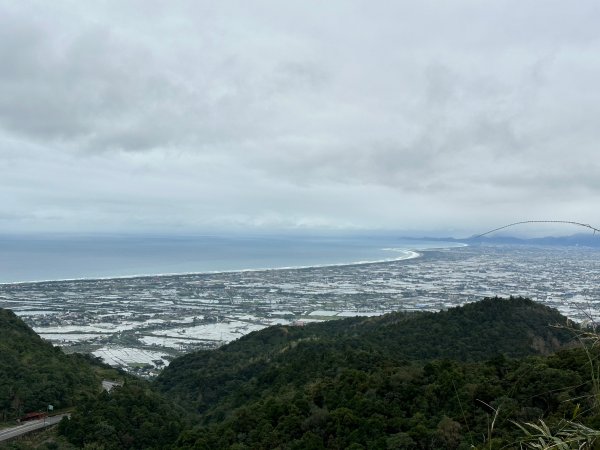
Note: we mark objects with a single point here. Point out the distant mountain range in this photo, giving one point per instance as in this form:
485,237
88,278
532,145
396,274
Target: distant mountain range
580,239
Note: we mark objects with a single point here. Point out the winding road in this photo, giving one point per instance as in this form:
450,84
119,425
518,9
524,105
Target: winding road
28,427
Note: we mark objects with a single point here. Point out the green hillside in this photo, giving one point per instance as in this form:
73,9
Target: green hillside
399,381
129,417
439,405
34,374
284,355
422,381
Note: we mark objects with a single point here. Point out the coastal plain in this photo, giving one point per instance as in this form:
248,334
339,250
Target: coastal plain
141,323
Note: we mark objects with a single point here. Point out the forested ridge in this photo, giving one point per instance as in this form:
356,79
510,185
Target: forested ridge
399,381
34,374
284,355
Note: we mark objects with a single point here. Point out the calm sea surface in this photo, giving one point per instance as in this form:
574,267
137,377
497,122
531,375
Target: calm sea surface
56,258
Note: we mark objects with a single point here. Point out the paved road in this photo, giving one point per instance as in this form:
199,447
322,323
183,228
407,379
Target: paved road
27,427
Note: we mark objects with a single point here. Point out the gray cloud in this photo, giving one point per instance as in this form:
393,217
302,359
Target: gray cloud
409,115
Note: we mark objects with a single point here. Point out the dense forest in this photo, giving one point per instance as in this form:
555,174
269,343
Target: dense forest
34,374
281,356
464,378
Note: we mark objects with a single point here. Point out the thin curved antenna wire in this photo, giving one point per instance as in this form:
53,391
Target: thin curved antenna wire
585,225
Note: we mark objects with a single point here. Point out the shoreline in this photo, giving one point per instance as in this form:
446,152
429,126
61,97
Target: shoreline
409,254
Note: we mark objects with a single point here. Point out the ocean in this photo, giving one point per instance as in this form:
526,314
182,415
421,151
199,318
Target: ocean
43,258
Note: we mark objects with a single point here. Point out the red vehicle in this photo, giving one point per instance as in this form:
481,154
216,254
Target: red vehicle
33,416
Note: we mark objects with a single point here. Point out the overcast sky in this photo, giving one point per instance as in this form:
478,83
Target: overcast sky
182,117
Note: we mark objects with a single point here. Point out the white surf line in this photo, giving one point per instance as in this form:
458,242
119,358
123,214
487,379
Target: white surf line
411,254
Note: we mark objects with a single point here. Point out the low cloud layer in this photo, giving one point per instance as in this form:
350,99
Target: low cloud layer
417,116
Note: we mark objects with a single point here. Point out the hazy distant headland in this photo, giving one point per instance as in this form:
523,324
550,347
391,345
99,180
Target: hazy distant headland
580,239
